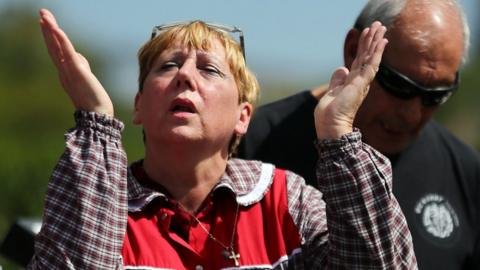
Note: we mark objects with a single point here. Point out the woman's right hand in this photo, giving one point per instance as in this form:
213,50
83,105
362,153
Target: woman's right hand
84,89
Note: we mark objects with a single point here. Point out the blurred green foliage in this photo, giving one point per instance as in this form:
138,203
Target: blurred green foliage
32,115
35,113
461,114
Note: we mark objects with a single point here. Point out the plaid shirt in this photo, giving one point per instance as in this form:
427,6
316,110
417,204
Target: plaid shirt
89,196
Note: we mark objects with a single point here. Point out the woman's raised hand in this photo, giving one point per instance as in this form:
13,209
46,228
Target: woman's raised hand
84,89
336,110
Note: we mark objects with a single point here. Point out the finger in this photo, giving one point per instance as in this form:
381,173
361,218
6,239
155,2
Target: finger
368,71
47,14
367,45
361,48
369,37
377,55
66,47
52,44
379,34
370,66
338,78
48,25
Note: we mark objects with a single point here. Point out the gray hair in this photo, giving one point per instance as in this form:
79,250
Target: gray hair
386,11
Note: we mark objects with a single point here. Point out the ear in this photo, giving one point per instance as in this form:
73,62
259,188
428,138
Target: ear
350,47
136,113
246,110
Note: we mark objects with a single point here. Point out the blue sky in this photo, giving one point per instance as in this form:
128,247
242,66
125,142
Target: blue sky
298,41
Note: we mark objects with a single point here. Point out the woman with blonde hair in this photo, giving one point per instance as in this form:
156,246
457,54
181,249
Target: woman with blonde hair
188,204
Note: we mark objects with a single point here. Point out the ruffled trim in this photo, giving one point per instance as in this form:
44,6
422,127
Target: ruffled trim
99,122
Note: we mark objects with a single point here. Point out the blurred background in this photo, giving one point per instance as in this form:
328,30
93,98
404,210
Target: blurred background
290,46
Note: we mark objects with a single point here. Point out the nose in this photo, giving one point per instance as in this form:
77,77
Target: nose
186,75
411,110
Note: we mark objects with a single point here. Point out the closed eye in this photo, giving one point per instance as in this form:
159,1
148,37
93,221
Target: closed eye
212,70
169,65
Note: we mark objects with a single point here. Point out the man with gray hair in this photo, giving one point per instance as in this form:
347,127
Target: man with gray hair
436,178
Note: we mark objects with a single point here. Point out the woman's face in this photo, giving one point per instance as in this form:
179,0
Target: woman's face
190,95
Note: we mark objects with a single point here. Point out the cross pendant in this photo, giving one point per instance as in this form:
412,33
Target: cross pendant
230,254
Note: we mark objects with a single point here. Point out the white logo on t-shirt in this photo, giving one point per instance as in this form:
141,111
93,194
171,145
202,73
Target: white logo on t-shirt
437,215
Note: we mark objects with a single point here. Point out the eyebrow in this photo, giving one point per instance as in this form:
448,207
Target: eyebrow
179,53
222,63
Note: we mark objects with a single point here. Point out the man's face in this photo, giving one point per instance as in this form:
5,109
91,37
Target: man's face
389,123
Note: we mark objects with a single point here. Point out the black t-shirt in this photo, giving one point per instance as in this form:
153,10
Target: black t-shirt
436,180
283,133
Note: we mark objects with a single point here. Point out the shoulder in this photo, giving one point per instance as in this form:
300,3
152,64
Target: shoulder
445,148
251,180
279,109
276,120
445,139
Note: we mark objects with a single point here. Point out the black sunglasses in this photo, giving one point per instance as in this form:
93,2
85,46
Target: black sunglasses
157,30
403,87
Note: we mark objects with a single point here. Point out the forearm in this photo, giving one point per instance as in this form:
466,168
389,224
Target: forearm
86,202
366,227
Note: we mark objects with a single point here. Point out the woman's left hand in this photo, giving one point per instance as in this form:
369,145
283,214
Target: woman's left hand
336,110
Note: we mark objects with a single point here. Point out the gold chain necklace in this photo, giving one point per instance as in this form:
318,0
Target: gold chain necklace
228,252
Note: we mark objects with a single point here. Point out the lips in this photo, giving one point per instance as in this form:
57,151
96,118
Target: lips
397,128
392,129
182,105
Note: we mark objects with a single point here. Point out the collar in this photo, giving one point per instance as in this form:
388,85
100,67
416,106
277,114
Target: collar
248,180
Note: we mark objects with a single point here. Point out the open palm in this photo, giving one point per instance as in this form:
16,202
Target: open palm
83,88
336,110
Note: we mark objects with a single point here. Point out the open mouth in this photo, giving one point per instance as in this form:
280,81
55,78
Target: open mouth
180,105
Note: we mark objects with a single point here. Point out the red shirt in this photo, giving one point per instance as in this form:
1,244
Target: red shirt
168,237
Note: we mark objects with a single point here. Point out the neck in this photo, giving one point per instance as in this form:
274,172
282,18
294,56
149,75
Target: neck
187,174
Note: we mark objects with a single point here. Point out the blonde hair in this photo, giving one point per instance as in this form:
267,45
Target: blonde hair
199,35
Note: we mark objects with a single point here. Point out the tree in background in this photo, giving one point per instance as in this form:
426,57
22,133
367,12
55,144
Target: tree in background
34,114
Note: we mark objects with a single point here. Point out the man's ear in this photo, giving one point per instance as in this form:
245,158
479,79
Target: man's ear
350,47
246,111
136,113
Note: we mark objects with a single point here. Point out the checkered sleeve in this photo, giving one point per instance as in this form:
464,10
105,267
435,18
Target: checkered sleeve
85,212
354,222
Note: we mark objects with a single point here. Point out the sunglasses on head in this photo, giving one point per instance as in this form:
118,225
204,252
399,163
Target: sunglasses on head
403,87
157,30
